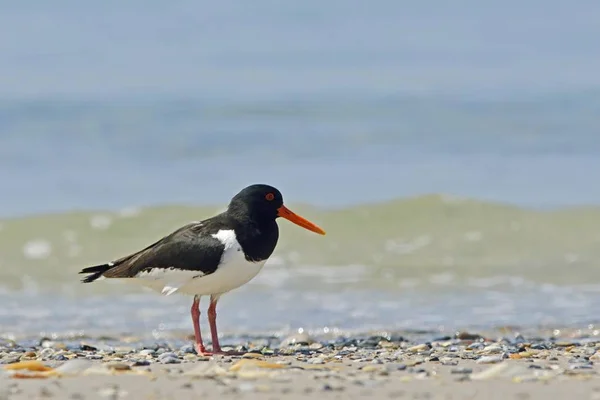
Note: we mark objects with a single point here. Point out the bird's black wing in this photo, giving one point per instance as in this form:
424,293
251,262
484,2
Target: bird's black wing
190,248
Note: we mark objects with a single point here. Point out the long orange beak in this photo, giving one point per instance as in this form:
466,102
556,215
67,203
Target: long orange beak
284,212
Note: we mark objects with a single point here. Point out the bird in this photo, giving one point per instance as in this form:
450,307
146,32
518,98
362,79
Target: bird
210,257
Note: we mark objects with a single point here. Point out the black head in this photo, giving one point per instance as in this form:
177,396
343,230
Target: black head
264,204
258,200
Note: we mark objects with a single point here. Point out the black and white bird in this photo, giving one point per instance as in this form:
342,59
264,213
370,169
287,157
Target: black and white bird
209,257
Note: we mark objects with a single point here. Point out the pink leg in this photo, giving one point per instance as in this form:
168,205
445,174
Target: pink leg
212,320
200,349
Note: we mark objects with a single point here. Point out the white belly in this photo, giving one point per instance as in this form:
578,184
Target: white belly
230,275
233,272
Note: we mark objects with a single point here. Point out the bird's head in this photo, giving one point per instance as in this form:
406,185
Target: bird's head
265,203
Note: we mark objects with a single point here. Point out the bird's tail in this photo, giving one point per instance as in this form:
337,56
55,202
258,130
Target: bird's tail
95,272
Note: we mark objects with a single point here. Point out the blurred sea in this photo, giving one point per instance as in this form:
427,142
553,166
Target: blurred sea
450,151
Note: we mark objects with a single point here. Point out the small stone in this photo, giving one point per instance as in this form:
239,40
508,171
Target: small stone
116,366
566,344
329,387
316,346
468,336
256,356
491,372
316,360
419,348
540,346
10,360
490,359
461,370
448,361
187,349
167,354
385,344
47,343
581,366
169,360
46,352
475,346
493,349
147,352
302,338
521,355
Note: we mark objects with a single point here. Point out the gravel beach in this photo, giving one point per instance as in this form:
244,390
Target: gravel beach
501,364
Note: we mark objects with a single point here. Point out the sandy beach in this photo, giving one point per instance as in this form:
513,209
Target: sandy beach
461,366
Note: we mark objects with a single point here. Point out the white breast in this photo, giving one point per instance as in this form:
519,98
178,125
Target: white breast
233,272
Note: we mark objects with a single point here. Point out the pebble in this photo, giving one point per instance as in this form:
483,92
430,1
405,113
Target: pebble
329,387
475,346
188,349
302,338
46,352
167,355
494,348
419,348
490,359
169,360
467,336
118,366
373,359
581,366
461,370
448,361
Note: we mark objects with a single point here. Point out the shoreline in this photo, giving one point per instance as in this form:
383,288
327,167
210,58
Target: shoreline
502,364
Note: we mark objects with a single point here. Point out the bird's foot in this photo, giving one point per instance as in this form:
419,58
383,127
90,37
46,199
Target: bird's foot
201,350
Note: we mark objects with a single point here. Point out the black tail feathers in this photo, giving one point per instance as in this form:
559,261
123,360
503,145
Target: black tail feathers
95,272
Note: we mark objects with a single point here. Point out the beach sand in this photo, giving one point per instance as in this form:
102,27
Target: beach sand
464,366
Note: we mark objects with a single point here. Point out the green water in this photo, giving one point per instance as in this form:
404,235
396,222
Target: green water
393,241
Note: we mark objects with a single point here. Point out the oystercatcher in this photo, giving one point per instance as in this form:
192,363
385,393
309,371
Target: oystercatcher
209,257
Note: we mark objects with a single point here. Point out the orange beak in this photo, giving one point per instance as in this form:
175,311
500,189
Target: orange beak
284,212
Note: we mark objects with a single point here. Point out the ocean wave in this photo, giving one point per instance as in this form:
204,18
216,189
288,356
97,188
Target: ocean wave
435,238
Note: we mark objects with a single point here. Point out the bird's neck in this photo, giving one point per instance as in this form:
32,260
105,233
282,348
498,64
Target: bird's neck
258,237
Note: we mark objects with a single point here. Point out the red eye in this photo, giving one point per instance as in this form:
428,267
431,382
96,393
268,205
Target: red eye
269,196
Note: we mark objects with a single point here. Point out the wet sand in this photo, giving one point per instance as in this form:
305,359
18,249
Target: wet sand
463,366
